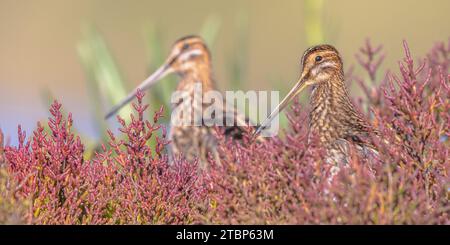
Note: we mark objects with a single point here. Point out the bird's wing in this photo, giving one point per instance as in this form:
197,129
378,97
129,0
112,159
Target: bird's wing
362,140
240,125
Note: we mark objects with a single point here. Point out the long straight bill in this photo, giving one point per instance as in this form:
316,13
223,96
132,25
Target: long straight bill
147,83
299,86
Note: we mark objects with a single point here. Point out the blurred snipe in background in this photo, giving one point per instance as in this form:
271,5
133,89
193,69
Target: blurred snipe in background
191,60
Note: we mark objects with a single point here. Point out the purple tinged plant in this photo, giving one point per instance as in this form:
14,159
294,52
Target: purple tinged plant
122,185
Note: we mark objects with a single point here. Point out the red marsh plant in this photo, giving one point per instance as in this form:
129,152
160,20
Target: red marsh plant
124,184
13,209
283,180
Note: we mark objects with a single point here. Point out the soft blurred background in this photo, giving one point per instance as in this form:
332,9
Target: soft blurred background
89,53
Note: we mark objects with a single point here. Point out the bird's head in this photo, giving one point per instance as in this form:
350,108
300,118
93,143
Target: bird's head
319,64
188,55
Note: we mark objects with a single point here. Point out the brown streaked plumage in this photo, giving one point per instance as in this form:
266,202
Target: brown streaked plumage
333,117
190,59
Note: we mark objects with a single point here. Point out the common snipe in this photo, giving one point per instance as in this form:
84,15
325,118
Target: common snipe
190,59
333,117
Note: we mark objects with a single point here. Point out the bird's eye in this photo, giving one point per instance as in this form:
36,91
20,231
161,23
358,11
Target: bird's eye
185,46
318,58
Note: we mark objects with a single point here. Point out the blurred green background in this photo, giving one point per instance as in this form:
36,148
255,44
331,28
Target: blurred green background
90,53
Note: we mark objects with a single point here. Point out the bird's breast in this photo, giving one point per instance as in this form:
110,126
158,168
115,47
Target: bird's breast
328,122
